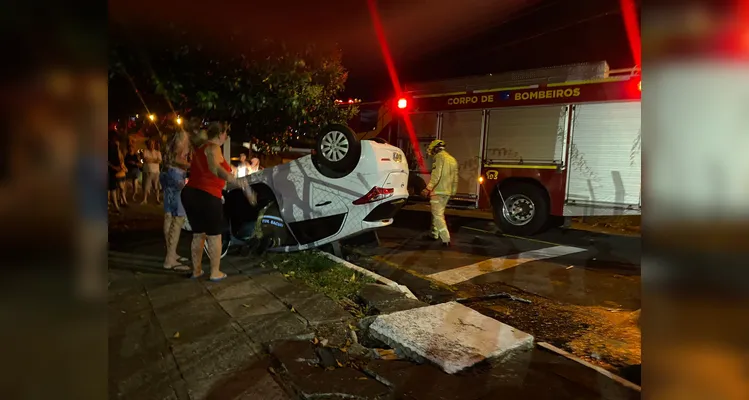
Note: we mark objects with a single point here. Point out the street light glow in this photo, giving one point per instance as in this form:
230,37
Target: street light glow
151,117
179,121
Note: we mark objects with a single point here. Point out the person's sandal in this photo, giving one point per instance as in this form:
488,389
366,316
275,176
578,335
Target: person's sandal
179,267
198,275
220,278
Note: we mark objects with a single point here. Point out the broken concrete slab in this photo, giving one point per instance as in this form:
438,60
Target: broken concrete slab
364,335
284,325
311,381
251,383
375,293
400,305
450,335
320,309
336,334
385,299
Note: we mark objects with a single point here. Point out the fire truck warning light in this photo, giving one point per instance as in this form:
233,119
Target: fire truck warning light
402,103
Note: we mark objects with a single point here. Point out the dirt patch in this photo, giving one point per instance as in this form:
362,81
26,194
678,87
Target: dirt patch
606,337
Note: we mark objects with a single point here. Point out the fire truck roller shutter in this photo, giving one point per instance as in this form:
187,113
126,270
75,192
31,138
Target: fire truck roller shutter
604,168
531,134
526,207
461,130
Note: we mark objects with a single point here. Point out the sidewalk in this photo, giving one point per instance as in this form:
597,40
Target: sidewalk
176,338
259,335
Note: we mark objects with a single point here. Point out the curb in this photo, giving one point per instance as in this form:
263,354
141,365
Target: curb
598,369
379,278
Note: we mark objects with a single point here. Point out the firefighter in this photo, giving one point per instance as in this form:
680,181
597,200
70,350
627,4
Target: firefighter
442,185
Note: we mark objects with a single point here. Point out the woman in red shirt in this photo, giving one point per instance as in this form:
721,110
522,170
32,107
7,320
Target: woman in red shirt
201,198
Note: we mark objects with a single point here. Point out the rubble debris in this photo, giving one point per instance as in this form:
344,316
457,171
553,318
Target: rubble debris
387,354
503,295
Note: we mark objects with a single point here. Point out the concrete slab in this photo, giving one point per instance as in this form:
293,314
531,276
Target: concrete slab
451,335
287,291
192,319
386,299
320,309
258,305
241,386
226,350
310,381
234,287
276,326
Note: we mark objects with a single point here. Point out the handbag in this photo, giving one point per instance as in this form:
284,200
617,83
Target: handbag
122,172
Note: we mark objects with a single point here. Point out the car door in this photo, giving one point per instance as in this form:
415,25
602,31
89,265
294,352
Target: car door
324,216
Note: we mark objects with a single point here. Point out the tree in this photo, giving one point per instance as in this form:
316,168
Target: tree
269,91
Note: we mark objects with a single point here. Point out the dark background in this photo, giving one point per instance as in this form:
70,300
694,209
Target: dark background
429,40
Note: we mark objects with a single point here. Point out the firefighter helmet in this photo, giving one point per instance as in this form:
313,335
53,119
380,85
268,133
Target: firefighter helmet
436,144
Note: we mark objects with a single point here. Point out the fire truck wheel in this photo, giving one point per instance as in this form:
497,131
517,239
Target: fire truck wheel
337,148
525,211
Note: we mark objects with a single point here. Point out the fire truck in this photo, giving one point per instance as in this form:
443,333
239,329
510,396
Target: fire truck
532,146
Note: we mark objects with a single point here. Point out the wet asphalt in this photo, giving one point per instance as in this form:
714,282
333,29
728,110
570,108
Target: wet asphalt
600,269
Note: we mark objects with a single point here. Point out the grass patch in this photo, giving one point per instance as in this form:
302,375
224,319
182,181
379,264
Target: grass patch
320,273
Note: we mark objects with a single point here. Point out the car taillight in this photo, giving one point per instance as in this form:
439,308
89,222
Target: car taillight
376,194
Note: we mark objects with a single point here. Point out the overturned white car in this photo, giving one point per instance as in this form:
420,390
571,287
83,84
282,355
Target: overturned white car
346,187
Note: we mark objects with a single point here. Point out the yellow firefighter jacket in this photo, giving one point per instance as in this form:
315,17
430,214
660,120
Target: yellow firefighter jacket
444,179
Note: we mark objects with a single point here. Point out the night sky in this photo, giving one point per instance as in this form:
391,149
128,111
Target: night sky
429,40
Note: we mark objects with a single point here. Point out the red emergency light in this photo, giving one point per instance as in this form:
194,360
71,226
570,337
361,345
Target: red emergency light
402,103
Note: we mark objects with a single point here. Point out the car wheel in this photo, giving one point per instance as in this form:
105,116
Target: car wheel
338,149
525,211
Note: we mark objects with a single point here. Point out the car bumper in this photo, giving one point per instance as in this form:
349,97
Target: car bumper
385,211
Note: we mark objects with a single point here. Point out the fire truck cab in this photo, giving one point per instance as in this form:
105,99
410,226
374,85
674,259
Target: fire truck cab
531,145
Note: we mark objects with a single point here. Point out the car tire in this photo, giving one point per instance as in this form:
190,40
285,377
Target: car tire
527,210
337,149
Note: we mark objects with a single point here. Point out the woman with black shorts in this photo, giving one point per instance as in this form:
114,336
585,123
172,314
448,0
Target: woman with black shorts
201,198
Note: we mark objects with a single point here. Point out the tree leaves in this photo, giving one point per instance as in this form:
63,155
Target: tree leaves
268,90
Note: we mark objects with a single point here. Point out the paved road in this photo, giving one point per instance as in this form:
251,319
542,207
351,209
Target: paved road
575,267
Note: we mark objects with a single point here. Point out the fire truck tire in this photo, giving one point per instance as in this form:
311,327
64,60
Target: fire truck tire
337,149
526,212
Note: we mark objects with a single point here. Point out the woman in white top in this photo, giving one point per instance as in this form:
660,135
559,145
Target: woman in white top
255,165
244,167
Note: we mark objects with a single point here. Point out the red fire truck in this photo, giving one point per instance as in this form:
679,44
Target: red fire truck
531,145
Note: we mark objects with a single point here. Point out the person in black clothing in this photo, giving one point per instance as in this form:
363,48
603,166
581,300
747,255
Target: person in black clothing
133,164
